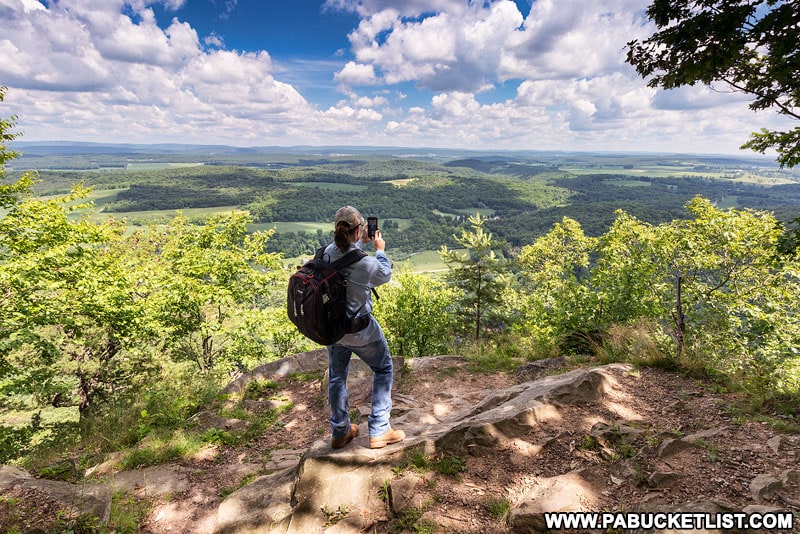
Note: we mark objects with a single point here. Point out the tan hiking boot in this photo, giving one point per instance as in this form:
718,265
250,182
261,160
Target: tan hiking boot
389,437
338,443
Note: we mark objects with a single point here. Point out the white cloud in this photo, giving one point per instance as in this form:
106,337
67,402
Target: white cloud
354,74
132,79
104,70
28,5
214,40
460,48
366,8
367,102
469,46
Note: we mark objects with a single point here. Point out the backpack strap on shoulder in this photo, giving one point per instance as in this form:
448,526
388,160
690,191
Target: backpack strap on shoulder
320,253
349,258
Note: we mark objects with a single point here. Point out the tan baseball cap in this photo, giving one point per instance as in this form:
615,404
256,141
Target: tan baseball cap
349,215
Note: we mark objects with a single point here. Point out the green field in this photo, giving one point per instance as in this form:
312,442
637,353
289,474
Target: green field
520,202
427,261
730,201
283,227
628,183
156,166
676,171
159,215
655,171
485,212
400,182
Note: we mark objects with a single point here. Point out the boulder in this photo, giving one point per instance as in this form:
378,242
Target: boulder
151,481
576,491
84,499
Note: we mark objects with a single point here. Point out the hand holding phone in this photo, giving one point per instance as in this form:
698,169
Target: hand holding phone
372,227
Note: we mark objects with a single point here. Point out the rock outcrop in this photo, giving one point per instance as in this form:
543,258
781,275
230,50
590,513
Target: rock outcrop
570,442
349,486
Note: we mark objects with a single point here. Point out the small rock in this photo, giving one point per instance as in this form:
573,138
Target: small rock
790,477
764,487
661,478
402,492
775,443
671,447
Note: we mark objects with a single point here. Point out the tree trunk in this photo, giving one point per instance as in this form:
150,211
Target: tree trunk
478,296
680,319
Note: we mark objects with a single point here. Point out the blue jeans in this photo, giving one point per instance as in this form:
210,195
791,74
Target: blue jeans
377,356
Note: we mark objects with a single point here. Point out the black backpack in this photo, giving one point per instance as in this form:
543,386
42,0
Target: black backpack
317,298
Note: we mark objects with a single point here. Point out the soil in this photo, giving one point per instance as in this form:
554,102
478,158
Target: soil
661,404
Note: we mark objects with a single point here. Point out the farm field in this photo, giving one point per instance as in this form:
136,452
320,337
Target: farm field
422,203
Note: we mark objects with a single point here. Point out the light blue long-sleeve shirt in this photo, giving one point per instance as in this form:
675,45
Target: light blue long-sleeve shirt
362,276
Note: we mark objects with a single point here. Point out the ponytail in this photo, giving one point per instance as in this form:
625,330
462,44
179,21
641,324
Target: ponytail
341,235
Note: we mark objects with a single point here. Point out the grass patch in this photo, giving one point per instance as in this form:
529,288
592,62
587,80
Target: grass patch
127,513
400,182
427,261
491,356
258,389
446,464
164,448
730,201
713,452
304,377
498,507
410,521
144,218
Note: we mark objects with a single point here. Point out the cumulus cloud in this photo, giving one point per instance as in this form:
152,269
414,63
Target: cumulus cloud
469,46
130,76
354,74
457,73
458,48
366,8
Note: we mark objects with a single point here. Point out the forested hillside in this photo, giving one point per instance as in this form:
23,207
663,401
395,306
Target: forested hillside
425,202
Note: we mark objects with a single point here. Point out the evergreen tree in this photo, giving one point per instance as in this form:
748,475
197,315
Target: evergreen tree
479,275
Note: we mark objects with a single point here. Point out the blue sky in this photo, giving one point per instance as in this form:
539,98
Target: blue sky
485,74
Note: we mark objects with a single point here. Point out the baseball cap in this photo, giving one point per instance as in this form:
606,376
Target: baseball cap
349,215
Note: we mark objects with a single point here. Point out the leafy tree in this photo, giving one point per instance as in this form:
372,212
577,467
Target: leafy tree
554,274
70,322
725,284
204,287
714,283
415,310
749,45
479,275
712,288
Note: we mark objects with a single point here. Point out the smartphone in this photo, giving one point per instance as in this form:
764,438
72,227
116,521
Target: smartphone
372,226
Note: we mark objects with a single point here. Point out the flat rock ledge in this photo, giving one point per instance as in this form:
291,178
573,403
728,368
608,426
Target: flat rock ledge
344,491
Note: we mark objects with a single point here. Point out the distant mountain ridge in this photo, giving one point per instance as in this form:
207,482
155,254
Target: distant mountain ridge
39,148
